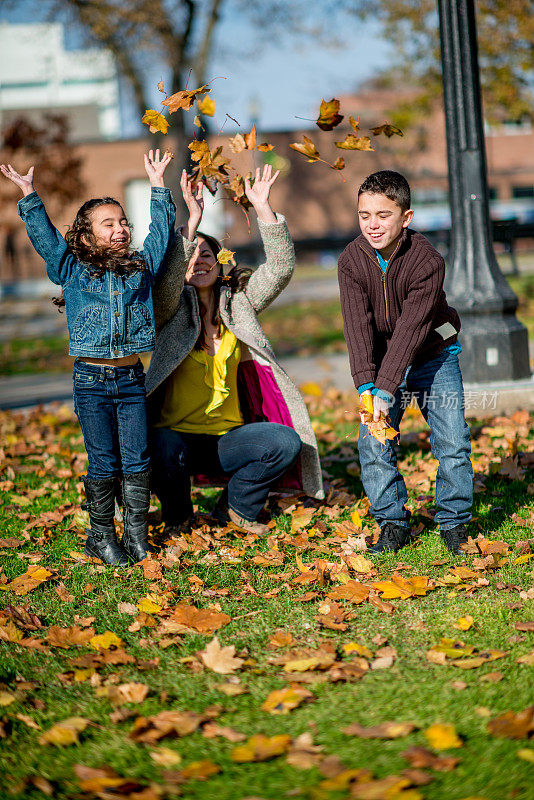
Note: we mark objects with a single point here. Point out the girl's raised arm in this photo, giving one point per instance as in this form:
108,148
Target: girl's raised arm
45,238
162,214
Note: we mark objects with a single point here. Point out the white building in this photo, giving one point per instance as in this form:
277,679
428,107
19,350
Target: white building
37,75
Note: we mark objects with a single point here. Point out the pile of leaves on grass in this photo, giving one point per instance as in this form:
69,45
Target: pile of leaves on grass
294,665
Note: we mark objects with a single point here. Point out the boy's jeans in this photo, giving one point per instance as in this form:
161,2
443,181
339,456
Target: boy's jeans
110,403
253,455
438,388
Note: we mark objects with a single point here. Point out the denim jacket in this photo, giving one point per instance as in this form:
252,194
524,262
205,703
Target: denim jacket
109,316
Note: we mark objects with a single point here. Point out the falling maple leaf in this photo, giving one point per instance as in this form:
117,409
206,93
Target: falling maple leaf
220,659
184,98
307,148
225,256
155,121
387,129
206,106
329,115
351,142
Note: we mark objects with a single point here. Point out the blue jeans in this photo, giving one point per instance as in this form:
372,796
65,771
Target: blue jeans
253,455
437,386
110,403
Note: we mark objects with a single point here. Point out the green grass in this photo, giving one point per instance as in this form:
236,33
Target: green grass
38,446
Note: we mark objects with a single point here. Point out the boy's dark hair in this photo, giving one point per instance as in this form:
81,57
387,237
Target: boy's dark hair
101,260
392,184
236,279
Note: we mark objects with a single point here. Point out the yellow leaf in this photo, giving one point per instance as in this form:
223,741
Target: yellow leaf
305,664
443,736
464,623
199,770
148,605
261,748
311,388
6,698
225,256
356,520
65,732
524,558
282,701
354,647
155,121
526,754
206,106
105,640
359,563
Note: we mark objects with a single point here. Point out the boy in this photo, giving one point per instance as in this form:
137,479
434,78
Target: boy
402,339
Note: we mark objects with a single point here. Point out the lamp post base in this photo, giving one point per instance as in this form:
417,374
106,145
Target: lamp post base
495,348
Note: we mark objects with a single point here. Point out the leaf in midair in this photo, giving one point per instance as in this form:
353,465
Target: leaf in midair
387,129
184,98
355,123
329,115
155,121
206,106
225,256
307,148
352,142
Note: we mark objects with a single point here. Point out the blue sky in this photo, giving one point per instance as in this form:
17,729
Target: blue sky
284,80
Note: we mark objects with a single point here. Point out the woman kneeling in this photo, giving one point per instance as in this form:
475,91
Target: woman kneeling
219,401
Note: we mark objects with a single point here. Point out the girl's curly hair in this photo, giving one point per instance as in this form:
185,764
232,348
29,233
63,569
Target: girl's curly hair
236,279
99,258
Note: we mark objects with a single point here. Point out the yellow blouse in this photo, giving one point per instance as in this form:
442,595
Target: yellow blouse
201,394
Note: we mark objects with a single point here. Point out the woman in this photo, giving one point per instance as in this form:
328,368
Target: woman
219,401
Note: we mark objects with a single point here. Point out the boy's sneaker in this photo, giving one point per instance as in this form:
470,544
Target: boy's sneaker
454,537
392,538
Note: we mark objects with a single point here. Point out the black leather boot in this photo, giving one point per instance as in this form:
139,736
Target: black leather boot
136,501
102,541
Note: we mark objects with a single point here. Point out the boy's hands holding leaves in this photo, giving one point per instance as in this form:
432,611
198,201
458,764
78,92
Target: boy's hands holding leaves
24,182
373,413
155,166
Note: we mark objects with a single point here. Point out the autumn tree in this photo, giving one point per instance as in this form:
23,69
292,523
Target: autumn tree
506,55
58,173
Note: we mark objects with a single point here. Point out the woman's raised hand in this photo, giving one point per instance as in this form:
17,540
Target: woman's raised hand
194,200
155,166
24,182
258,192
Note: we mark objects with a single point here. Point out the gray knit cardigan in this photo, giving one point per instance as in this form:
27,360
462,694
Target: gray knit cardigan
177,316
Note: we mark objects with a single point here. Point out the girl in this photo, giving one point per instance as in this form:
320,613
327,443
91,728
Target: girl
108,297
219,401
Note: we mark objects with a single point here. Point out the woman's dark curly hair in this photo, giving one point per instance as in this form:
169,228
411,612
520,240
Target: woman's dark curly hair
236,279
99,258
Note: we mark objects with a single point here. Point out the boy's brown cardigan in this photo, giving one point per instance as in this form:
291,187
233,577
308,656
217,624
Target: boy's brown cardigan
394,319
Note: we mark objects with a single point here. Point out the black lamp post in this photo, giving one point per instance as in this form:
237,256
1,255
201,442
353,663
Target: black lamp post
495,343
